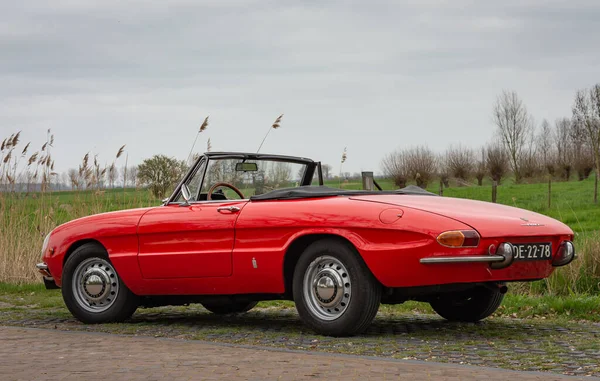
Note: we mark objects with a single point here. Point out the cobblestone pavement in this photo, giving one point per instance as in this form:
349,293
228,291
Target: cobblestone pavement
571,349
41,354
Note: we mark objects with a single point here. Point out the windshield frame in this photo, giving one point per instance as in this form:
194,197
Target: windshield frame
311,167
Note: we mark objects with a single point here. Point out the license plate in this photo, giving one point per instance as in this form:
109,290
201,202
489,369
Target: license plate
532,251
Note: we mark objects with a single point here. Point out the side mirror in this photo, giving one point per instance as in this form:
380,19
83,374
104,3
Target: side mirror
185,192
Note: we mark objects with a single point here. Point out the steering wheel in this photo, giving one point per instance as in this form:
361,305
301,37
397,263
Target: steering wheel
217,185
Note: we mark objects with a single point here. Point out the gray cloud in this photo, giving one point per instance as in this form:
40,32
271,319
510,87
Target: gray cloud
373,76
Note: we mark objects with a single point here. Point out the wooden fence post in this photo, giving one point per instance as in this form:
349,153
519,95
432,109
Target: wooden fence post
494,190
441,188
367,181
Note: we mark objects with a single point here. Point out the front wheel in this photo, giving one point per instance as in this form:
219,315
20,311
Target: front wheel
92,289
334,291
467,306
229,308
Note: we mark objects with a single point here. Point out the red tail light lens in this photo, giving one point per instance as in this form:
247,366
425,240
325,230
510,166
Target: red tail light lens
565,254
459,238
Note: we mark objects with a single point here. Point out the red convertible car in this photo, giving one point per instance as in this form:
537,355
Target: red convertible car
240,228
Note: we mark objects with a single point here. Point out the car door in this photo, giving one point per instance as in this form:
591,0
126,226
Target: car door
193,241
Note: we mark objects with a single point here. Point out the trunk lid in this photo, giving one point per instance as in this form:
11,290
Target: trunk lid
490,220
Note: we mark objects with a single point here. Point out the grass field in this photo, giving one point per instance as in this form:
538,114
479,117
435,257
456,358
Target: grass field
26,219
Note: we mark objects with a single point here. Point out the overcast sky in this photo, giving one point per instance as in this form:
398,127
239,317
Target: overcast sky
370,75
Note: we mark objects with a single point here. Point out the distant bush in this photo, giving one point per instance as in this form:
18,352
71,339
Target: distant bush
160,173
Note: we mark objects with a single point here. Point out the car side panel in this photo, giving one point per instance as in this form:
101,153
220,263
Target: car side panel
266,229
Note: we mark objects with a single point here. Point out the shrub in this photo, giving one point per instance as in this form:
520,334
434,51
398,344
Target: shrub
497,162
160,173
394,167
460,162
421,165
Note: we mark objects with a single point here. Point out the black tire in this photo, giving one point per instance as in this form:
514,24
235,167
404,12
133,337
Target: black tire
123,303
468,306
229,308
359,285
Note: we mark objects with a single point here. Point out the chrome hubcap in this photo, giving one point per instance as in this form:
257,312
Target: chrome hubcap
95,284
327,288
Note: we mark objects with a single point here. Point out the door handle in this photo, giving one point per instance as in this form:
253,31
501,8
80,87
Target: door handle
230,209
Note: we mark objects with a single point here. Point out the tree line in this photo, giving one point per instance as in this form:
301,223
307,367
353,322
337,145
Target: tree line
520,147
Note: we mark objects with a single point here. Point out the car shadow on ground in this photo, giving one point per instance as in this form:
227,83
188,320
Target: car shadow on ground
425,327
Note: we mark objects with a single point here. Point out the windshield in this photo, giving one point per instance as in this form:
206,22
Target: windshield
239,178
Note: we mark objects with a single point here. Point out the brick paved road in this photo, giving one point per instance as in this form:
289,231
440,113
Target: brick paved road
41,354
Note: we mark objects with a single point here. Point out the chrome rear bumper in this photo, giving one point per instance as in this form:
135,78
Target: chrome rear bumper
498,258
464,259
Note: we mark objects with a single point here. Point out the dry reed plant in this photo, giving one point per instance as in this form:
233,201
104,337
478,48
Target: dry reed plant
342,161
203,127
274,126
29,209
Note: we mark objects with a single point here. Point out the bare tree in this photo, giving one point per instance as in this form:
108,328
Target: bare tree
481,167
546,149
496,161
582,151
394,166
564,148
421,163
132,175
460,162
514,126
443,170
280,174
326,168
529,163
586,113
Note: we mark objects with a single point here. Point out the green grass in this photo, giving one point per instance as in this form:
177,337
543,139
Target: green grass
561,308
571,203
28,217
67,205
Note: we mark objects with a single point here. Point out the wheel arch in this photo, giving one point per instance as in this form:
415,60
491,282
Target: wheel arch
299,245
77,244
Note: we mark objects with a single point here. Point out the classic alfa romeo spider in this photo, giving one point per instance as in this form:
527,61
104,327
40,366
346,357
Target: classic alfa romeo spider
241,228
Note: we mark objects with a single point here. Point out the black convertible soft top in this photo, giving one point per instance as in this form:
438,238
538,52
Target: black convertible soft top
323,191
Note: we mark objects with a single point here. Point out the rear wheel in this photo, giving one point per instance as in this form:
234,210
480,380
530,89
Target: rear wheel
334,291
468,306
229,308
92,289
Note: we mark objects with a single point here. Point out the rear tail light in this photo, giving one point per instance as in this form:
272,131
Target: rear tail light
565,254
459,238
505,250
